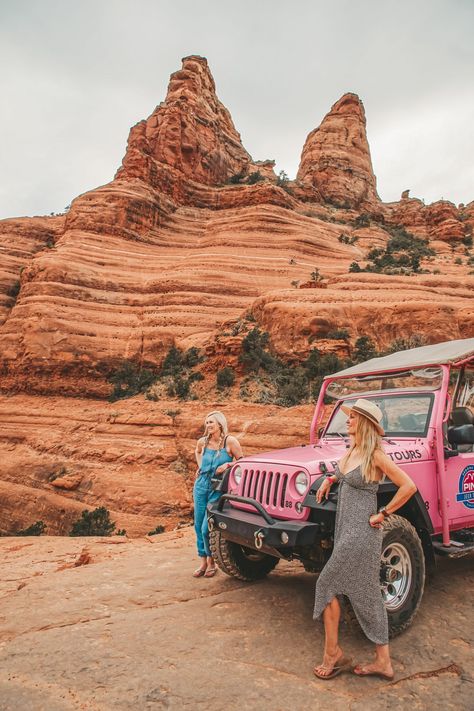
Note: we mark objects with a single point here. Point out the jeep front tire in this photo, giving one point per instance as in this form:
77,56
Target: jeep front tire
402,573
238,561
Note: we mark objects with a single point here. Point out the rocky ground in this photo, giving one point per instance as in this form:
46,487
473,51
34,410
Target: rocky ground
102,624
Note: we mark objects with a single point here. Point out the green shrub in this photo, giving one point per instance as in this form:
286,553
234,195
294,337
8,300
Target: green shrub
173,362
364,349
402,254
355,267
93,523
255,177
341,334
254,355
191,358
237,178
158,529
362,220
195,376
458,260
316,275
179,387
403,344
14,289
129,380
225,377
292,386
36,529
345,239
467,240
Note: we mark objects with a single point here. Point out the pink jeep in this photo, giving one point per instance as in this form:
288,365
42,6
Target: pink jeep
269,510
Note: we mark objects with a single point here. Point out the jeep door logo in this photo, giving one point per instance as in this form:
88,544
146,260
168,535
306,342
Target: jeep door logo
466,487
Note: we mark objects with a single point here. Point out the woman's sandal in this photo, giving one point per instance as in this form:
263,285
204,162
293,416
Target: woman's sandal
342,664
199,572
364,672
210,572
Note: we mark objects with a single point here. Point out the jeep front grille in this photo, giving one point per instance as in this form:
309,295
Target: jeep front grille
268,488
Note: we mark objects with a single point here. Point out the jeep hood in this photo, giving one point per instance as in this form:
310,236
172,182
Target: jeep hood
310,456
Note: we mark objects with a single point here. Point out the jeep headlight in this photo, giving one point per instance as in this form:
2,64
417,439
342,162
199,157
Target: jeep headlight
301,482
237,474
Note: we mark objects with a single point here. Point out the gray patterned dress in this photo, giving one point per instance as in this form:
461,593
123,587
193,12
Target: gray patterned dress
353,569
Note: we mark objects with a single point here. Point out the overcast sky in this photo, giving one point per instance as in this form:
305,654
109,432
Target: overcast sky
77,74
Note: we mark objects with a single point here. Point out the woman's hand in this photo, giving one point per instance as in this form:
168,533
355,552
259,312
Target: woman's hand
221,468
376,520
323,491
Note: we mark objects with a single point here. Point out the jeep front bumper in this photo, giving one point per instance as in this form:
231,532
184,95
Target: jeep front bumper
259,530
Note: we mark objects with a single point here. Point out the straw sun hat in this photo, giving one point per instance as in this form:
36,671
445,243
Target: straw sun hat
367,409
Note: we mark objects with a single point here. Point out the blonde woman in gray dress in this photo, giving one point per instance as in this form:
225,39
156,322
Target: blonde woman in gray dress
354,567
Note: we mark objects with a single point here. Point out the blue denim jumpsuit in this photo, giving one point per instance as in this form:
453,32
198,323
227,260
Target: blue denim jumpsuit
203,493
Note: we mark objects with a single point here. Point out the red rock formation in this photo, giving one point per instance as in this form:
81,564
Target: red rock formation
440,220
336,157
191,132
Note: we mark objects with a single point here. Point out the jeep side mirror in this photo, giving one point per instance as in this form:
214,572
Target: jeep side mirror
320,431
463,434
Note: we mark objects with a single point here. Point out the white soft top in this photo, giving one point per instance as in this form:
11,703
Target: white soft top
449,352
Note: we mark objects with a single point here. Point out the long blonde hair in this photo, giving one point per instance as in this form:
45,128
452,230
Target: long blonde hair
368,441
220,418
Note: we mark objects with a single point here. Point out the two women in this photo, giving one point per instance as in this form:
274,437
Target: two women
214,452
354,567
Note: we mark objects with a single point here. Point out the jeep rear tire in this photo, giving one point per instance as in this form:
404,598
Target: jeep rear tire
402,575
238,561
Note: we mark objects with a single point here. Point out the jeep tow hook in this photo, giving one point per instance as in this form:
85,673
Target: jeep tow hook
259,537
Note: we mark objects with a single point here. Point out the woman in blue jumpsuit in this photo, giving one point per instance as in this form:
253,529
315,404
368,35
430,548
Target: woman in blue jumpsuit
214,452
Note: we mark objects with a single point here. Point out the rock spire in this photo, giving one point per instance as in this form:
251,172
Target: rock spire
336,156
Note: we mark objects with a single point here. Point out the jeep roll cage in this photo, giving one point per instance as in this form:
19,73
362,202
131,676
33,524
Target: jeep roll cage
443,355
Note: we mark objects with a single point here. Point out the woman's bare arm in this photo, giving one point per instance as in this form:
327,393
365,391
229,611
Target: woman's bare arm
198,451
406,487
234,449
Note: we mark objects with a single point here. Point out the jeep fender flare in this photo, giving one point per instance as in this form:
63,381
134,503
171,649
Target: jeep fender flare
414,510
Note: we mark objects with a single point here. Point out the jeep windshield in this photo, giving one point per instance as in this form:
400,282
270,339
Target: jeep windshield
422,379
404,415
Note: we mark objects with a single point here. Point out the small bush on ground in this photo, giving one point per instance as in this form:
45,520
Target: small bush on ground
94,523
158,529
